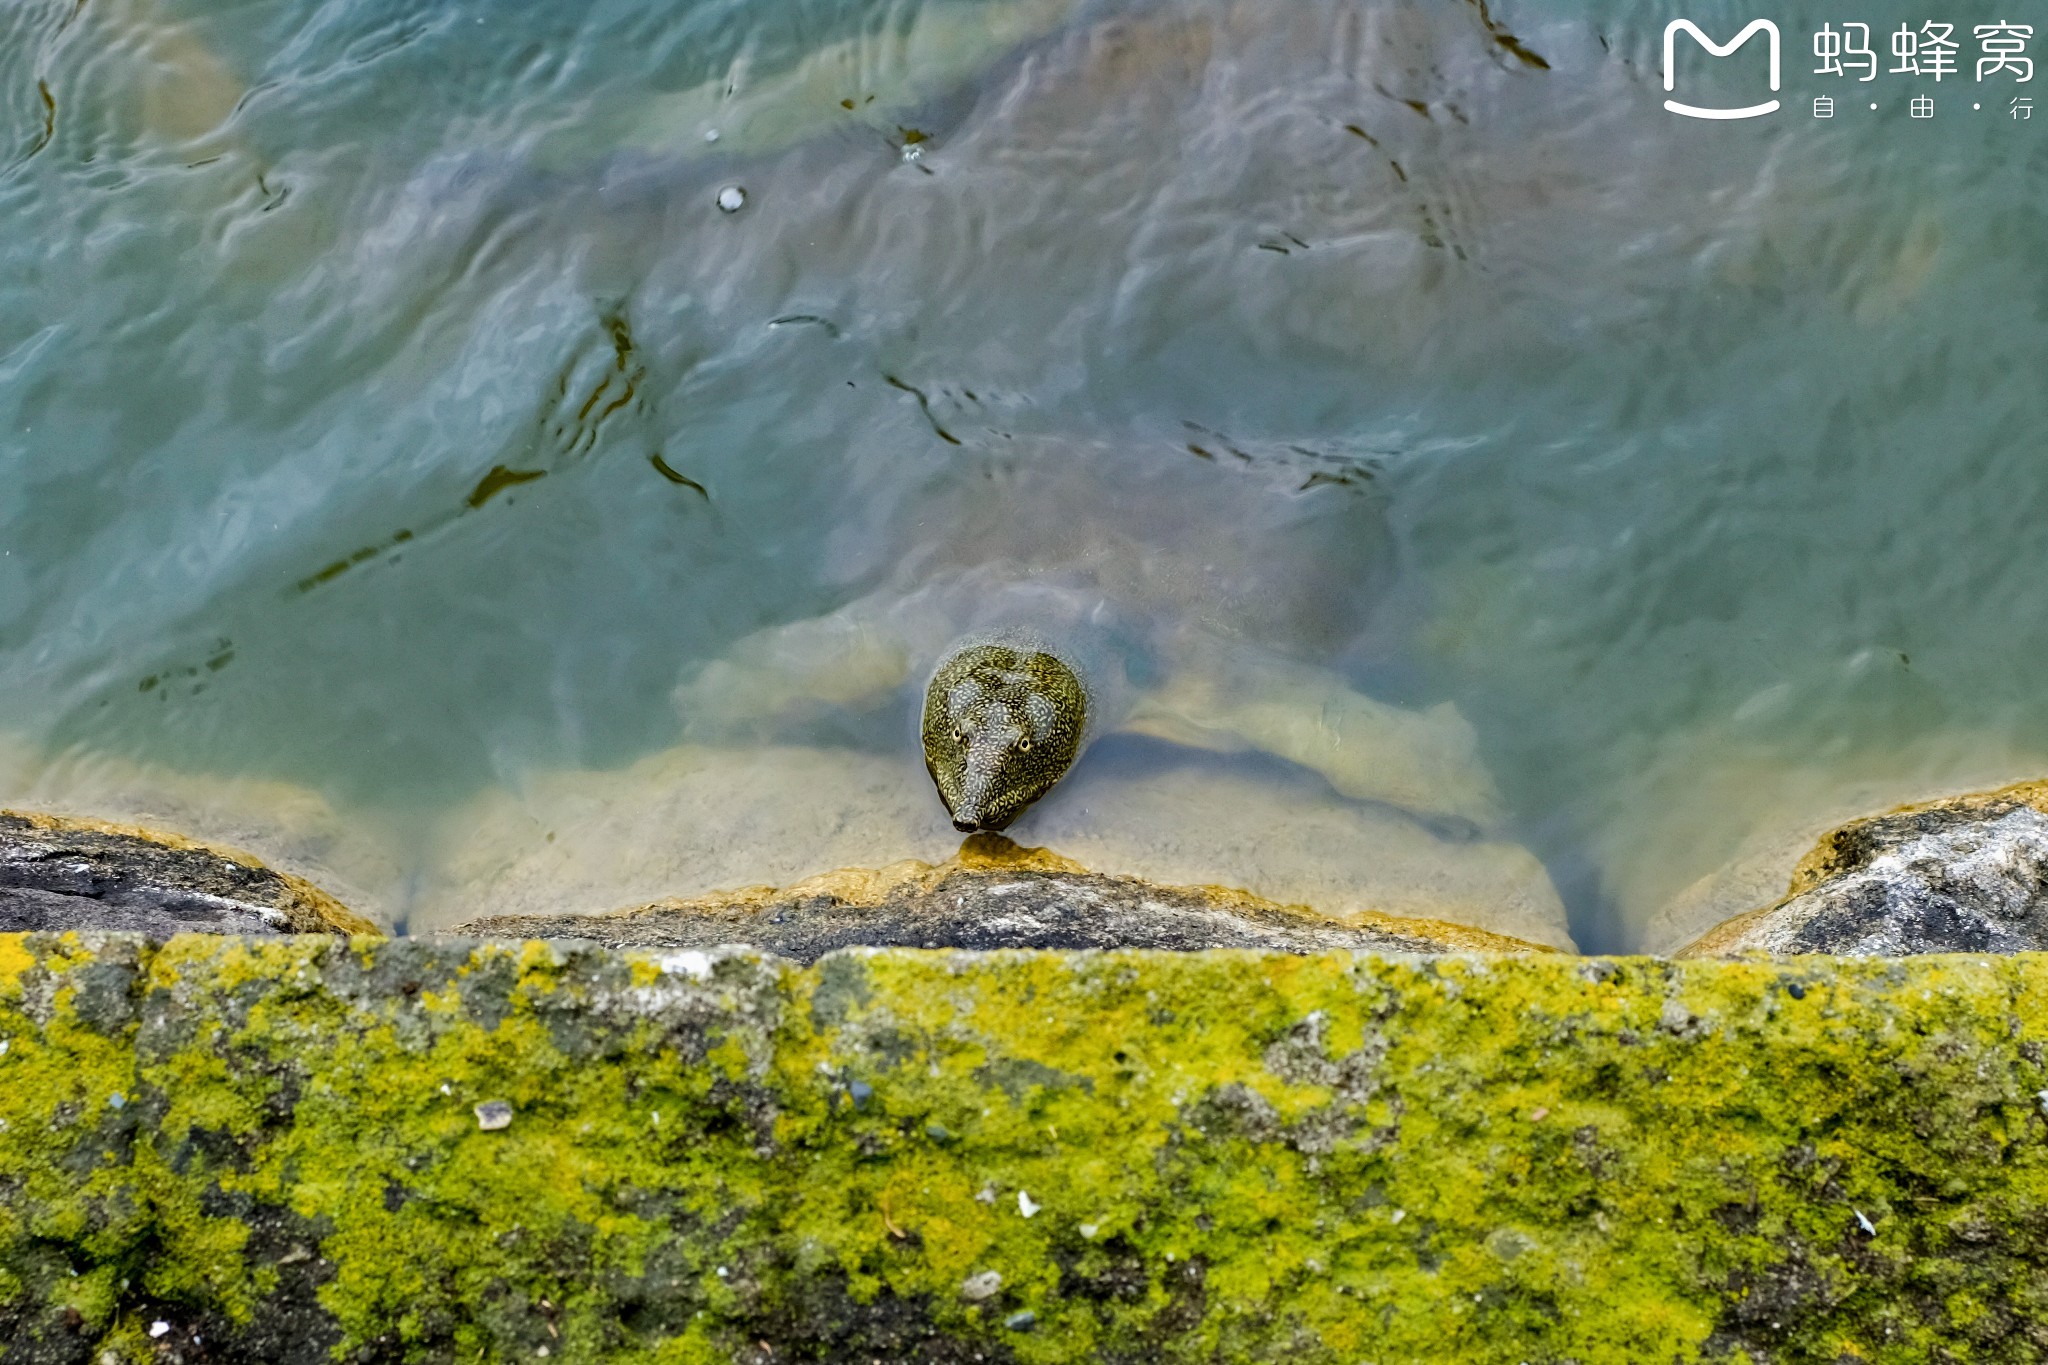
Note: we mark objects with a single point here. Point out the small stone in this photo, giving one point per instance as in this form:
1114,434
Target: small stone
159,1328
1088,1231
987,1194
1869,1228
492,1115
711,135
1020,1322
975,1288
1509,1244
732,199
1026,1205
861,1091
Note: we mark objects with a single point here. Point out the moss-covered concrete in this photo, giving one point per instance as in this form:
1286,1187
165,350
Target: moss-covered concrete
270,1150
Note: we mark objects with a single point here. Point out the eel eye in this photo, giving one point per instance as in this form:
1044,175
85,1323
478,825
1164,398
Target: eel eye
960,735
1023,746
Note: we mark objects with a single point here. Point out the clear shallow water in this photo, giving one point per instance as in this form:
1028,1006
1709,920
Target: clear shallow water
388,413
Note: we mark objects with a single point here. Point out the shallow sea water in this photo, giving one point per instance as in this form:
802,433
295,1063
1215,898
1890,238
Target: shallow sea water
392,426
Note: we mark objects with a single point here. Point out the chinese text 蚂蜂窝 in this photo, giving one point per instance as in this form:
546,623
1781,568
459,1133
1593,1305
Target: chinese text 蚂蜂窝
1930,50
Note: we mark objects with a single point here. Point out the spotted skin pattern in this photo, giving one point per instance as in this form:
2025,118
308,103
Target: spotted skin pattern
1002,724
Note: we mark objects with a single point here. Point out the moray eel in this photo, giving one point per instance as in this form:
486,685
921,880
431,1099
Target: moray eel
1002,724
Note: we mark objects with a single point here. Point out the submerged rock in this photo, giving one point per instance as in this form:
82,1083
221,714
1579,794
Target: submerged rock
62,874
1963,875
687,821
992,894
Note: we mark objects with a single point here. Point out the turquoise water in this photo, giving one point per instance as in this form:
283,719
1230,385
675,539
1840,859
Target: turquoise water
388,412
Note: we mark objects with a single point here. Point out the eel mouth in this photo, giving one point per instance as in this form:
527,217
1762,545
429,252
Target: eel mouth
970,818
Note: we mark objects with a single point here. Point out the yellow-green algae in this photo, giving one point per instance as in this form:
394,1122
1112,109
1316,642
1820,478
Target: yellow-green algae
272,1146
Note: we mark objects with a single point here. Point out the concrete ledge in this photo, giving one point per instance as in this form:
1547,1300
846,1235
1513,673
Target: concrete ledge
283,1150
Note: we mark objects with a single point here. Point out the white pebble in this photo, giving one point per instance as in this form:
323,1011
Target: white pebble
732,198
711,135
1025,1204
493,1115
1088,1231
975,1288
159,1328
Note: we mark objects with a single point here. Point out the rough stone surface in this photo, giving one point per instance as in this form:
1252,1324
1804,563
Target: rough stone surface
1968,875
270,1147
58,874
993,895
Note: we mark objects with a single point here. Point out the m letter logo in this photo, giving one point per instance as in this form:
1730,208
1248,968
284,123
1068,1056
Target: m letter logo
1677,26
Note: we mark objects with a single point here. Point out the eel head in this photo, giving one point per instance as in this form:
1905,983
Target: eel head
1002,724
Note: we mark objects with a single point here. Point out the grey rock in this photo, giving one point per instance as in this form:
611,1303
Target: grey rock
58,874
156,911
1968,875
994,895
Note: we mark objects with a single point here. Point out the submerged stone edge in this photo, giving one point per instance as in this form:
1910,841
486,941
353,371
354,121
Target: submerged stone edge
298,1149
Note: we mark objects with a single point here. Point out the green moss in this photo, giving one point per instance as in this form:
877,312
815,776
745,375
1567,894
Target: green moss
1222,1156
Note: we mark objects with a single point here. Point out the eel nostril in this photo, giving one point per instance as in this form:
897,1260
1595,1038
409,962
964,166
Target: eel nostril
965,826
